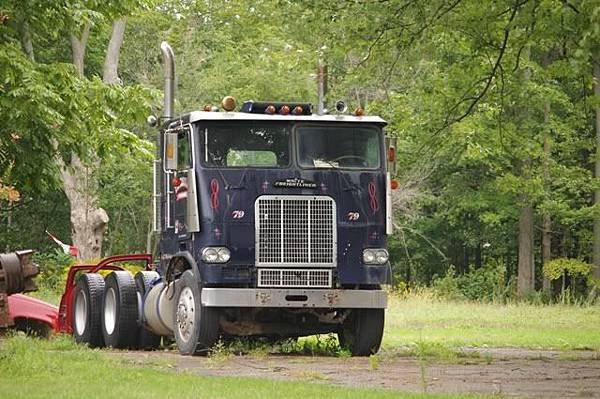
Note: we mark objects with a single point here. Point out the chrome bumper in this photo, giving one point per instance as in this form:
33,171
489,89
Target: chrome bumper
293,298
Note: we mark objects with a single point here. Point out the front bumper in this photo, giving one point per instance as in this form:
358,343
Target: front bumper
294,298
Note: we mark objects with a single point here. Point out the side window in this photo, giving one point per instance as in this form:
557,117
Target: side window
184,154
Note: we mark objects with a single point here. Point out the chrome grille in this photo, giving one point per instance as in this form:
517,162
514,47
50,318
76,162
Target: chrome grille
295,230
320,278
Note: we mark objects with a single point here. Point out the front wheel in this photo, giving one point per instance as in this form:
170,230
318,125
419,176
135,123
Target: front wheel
196,327
362,331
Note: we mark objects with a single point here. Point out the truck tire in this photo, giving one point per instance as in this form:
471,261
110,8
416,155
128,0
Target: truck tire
362,331
143,282
120,310
196,327
87,309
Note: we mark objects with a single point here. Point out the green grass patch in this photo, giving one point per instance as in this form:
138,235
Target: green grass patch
57,368
424,319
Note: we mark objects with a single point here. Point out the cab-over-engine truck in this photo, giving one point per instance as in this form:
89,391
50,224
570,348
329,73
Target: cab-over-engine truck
273,223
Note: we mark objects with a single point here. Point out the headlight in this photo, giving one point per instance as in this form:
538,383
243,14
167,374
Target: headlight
216,255
373,256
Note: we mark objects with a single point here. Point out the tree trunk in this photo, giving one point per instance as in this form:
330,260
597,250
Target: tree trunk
78,45
526,259
596,257
111,62
88,220
546,219
526,271
26,40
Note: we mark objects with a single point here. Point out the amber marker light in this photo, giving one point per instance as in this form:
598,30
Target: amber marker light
394,184
391,154
228,103
207,108
285,110
359,112
270,109
298,110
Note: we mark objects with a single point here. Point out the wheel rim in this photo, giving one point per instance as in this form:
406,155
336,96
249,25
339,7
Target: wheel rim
110,310
81,312
186,311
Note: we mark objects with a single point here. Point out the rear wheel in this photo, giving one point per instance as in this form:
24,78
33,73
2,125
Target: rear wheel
196,327
362,331
87,309
120,310
143,281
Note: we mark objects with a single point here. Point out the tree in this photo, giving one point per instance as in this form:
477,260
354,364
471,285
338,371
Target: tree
88,114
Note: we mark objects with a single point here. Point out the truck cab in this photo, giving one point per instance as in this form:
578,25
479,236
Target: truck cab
282,218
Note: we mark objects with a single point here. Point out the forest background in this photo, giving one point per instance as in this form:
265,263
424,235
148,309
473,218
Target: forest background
496,106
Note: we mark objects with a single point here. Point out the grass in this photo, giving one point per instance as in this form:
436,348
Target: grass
421,319
424,319
60,369
417,325
47,295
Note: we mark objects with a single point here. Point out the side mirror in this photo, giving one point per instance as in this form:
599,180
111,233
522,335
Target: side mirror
171,151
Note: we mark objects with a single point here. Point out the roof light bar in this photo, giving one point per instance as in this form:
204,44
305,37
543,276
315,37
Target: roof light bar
256,107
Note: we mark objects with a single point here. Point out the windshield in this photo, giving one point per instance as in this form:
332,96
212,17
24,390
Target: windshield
246,145
339,147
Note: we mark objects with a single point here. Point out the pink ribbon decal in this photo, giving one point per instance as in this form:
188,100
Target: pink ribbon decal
373,197
214,194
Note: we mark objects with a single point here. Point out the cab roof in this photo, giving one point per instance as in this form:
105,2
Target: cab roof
197,116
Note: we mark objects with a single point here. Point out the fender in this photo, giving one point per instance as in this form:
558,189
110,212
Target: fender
190,260
26,307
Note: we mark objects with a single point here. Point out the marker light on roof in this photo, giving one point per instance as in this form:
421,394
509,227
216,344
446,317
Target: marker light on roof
228,103
270,109
359,112
284,110
298,110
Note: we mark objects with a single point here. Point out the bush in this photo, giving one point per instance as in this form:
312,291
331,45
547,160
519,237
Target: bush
54,267
484,284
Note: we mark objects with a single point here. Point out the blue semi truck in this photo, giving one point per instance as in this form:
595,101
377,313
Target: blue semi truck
273,222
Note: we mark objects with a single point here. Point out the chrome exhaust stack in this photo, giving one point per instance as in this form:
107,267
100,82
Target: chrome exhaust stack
169,69
168,113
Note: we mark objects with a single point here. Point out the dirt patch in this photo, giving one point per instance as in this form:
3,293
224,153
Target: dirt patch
508,372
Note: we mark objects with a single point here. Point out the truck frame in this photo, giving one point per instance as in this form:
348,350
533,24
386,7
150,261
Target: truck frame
273,222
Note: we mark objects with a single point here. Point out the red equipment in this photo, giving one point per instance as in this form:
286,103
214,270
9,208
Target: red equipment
32,313
17,272
65,310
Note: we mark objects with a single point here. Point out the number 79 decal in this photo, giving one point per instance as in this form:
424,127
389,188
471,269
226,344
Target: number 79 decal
353,216
238,214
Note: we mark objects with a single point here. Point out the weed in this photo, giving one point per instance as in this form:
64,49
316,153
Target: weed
220,352
374,362
317,345
488,358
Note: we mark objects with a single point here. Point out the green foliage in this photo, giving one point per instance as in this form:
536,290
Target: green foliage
54,267
484,284
317,345
557,268
473,94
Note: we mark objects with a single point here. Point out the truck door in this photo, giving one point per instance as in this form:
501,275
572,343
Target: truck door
183,196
